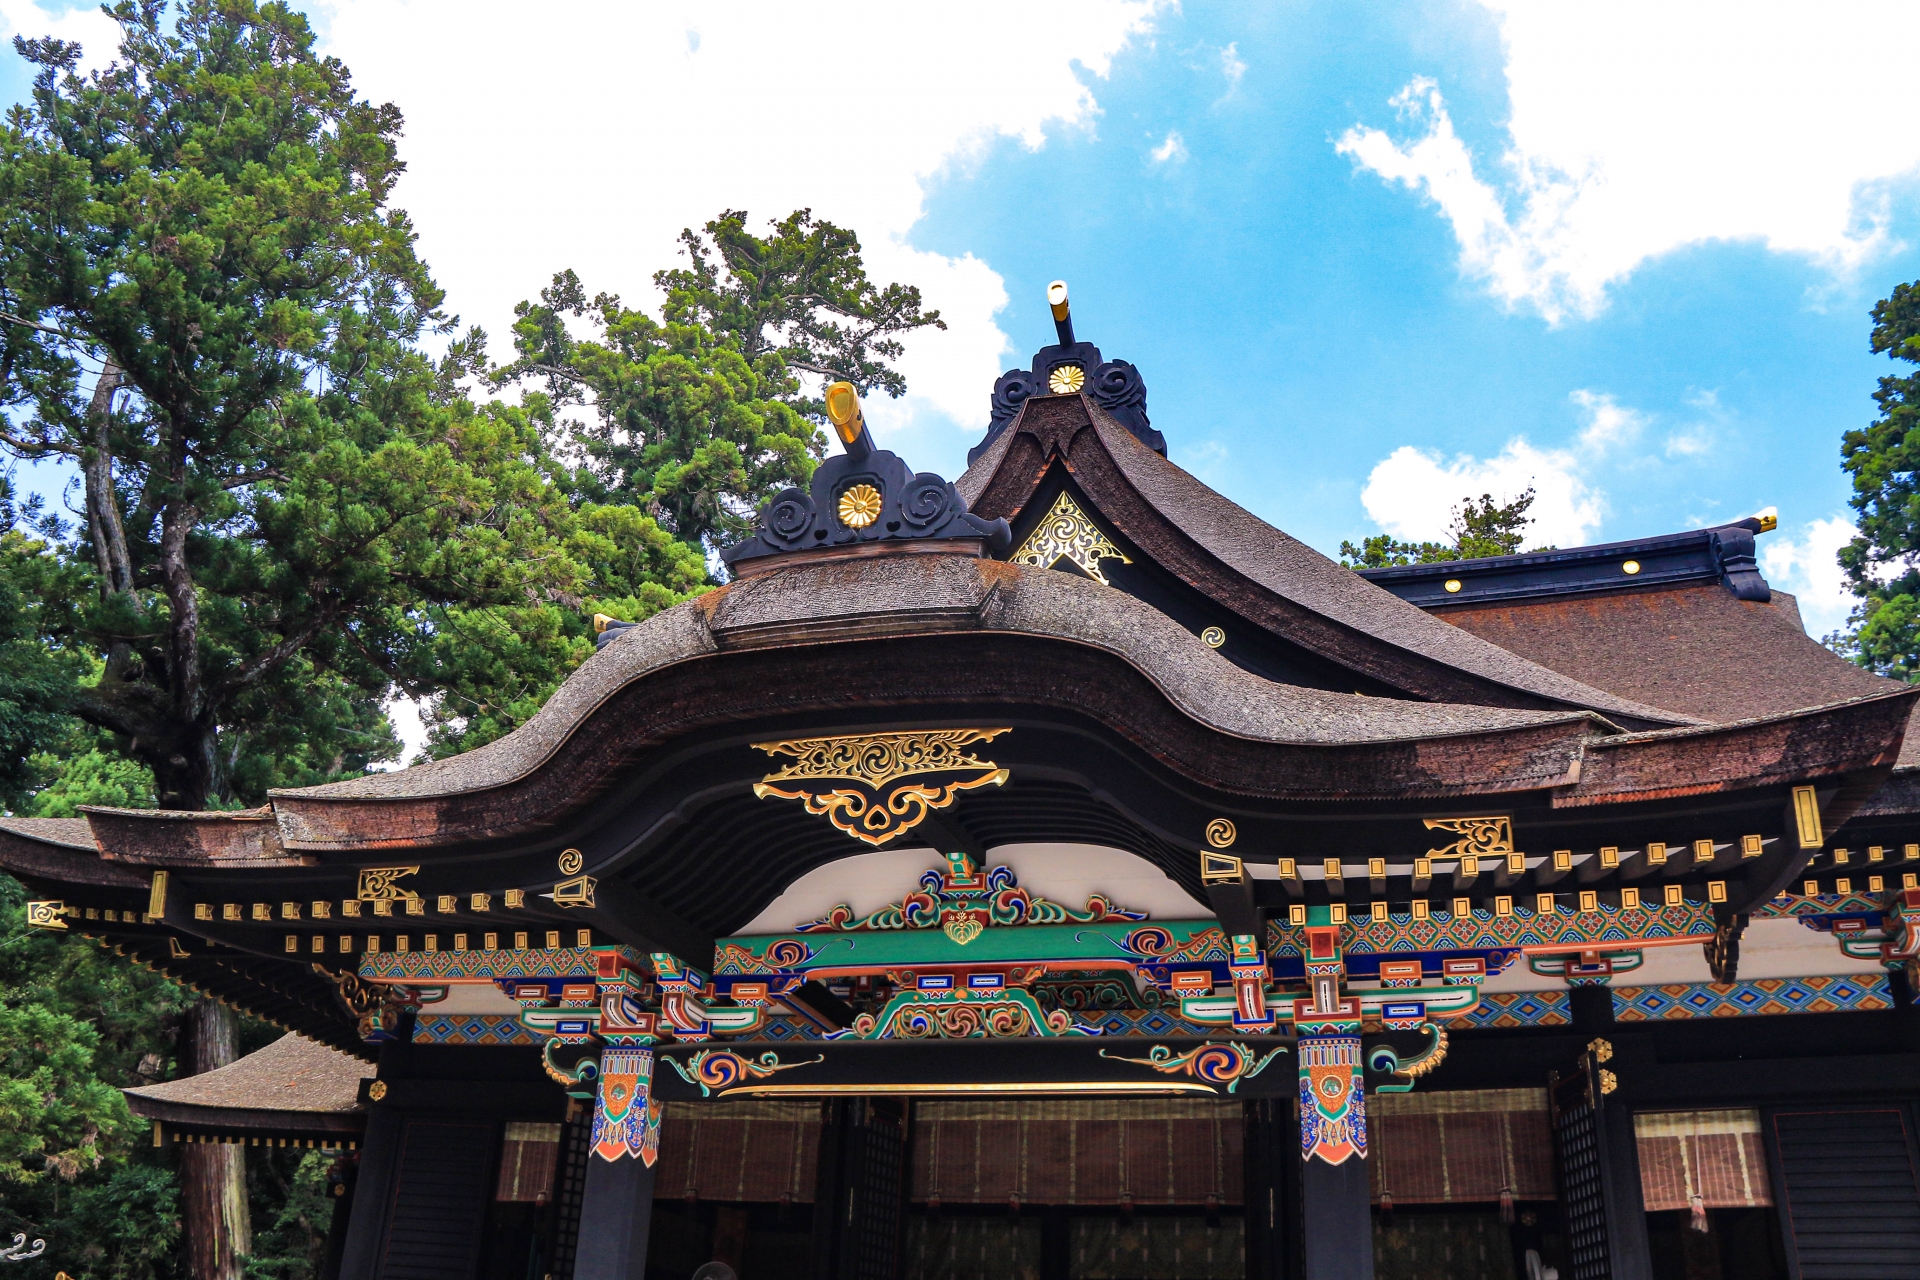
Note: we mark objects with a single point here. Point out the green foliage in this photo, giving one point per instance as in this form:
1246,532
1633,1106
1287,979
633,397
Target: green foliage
700,416
76,1024
56,1117
801,294
124,1226
1479,528
1883,460
36,681
291,1212
684,425
89,777
289,508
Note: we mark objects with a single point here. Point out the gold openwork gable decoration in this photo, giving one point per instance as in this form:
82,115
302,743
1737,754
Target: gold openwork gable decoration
1479,837
1067,534
880,785
377,884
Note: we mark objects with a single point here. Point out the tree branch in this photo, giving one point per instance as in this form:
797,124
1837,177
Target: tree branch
10,318
37,446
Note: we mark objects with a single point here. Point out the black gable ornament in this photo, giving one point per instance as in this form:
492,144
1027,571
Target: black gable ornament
1068,367
865,495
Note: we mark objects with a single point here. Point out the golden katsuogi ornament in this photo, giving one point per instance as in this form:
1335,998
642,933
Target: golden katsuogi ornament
859,506
1066,379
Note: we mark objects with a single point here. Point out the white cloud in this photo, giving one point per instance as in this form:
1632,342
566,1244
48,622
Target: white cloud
589,135
1174,149
1806,567
1412,493
97,34
1232,66
409,725
1689,442
1203,458
1638,128
1609,423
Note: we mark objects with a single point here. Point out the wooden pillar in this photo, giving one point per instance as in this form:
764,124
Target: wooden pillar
1599,1166
1272,1181
1336,1204
1337,1215
373,1189
340,1192
616,1212
860,1193
831,1194
1633,1256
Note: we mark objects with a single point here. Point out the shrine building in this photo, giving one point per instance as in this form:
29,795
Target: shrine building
1060,873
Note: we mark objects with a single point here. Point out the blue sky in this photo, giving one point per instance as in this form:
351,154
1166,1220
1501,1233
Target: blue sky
1369,259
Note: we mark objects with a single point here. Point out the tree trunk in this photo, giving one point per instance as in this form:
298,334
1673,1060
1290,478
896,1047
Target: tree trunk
103,505
213,1176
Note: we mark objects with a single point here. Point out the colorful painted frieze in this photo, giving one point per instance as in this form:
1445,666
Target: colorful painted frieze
1829,994
473,1029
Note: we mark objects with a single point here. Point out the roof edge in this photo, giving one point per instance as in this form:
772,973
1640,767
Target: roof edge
1720,553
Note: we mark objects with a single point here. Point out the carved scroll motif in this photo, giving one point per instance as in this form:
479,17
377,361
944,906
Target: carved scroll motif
377,884
1479,837
878,786
1065,533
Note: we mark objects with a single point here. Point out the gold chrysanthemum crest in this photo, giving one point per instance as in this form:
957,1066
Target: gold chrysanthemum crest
859,506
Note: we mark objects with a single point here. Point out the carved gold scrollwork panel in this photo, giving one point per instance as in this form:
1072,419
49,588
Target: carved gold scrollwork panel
1066,534
880,785
1479,837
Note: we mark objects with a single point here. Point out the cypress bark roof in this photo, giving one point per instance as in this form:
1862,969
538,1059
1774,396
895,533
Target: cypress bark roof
1273,579
292,1083
1693,647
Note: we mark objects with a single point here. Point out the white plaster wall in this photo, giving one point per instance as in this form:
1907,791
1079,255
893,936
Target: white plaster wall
1065,873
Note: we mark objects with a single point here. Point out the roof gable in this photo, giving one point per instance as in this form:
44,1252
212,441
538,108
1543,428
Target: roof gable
1263,578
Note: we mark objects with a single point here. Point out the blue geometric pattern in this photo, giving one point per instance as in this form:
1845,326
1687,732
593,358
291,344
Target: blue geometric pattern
471,1028
1758,996
1518,1009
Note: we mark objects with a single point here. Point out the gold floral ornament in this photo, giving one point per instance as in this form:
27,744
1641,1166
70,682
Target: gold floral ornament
878,786
859,506
1067,534
1066,379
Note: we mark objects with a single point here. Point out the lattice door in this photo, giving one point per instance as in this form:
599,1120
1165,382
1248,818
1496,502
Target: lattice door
1576,1132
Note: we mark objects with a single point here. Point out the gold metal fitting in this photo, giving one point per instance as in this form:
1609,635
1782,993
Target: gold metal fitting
601,621
1057,299
843,411
1769,519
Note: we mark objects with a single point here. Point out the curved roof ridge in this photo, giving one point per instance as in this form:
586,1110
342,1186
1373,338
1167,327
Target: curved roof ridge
671,635
843,600
1291,569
